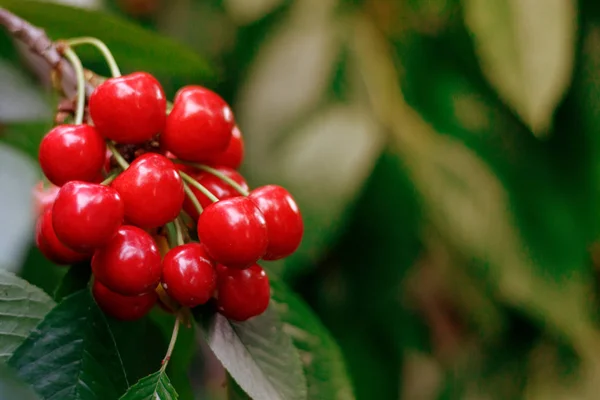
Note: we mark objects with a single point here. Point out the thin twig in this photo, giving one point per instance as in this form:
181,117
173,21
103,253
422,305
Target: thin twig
38,42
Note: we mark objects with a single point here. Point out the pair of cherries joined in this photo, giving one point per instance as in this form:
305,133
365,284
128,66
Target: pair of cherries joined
104,209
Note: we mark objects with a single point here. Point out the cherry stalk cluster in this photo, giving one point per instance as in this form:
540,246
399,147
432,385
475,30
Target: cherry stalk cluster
149,192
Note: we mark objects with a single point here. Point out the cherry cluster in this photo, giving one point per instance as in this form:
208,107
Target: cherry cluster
143,172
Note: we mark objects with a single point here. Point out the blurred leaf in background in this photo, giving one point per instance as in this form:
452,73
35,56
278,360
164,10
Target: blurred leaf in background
527,63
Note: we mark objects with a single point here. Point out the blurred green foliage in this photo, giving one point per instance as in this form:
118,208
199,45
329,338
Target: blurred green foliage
445,155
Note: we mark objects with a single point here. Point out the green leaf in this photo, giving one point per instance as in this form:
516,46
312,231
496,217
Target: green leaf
152,52
11,387
586,108
140,344
258,354
244,13
22,307
153,387
76,278
72,354
526,51
321,358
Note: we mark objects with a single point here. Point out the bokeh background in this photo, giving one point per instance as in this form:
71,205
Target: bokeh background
445,155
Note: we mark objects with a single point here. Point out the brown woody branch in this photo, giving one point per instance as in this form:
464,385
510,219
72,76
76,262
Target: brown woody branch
38,42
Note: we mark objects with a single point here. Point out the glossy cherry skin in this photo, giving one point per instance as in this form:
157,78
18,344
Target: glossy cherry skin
129,109
129,264
152,191
242,294
52,248
221,189
125,308
189,275
284,221
234,232
72,153
233,156
86,215
43,197
199,125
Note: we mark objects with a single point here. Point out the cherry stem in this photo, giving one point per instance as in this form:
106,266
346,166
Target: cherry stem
166,300
118,157
198,186
224,178
110,59
109,179
171,234
179,232
219,175
78,67
185,218
192,197
165,360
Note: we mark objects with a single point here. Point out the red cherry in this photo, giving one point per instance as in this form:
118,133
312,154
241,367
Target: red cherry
152,191
284,221
72,153
188,275
234,232
43,197
50,246
234,154
86,215
129,264
126,308
199,124
221,189
242,294
99,179
129,109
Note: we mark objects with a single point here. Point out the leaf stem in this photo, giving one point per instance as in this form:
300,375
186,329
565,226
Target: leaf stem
192,197
198,186
219,175
118,157
165,360
78,67
100,45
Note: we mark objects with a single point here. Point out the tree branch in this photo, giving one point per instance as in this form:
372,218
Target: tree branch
38,42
